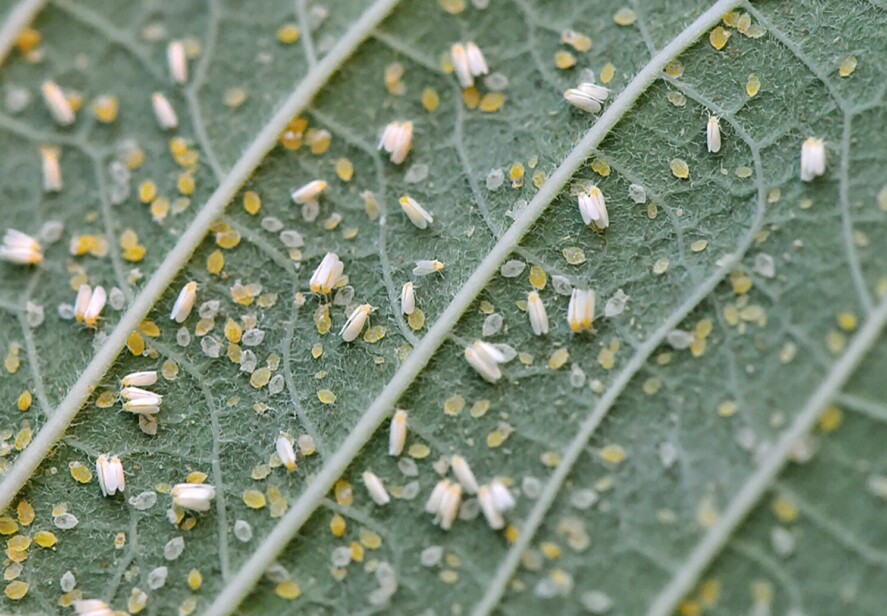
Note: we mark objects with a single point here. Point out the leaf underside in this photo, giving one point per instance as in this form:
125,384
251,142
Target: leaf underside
697,427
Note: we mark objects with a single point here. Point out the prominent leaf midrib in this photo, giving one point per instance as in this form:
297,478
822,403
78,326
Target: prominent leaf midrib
52,431
251,571
769,468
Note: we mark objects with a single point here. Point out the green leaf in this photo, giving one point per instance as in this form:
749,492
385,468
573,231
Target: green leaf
713,447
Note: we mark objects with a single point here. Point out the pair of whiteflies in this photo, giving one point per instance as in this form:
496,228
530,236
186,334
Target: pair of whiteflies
88,305
468,62
397,438
813,153
109,470
397,140
587,96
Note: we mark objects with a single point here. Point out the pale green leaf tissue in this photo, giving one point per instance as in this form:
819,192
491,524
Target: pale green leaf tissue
713,446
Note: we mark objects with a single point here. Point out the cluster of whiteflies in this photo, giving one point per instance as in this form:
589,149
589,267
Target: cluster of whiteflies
140,401
487,358
494,498
328,276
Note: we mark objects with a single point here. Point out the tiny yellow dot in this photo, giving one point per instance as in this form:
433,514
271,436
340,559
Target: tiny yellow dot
288,590
288,34
564,60
624,17
430,99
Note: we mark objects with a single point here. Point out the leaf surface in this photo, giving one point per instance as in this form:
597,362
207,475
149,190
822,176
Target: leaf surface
648,475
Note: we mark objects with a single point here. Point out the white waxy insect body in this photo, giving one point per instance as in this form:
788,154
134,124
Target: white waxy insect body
141,406
464,474
408,298
193,496
94,308
537,313
415,212
477,63
285,452
502,497
354,324
178,62
460,65
309,192
137,393
397,140
485,358
580,312
432,505
812,159
184,303
488,508
424,267
139,379
21,248
593,207
92,607
84,293
52,171
713,134
327,274
397,433
110,474
164,112
376,488
587,96
449,506
58,104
